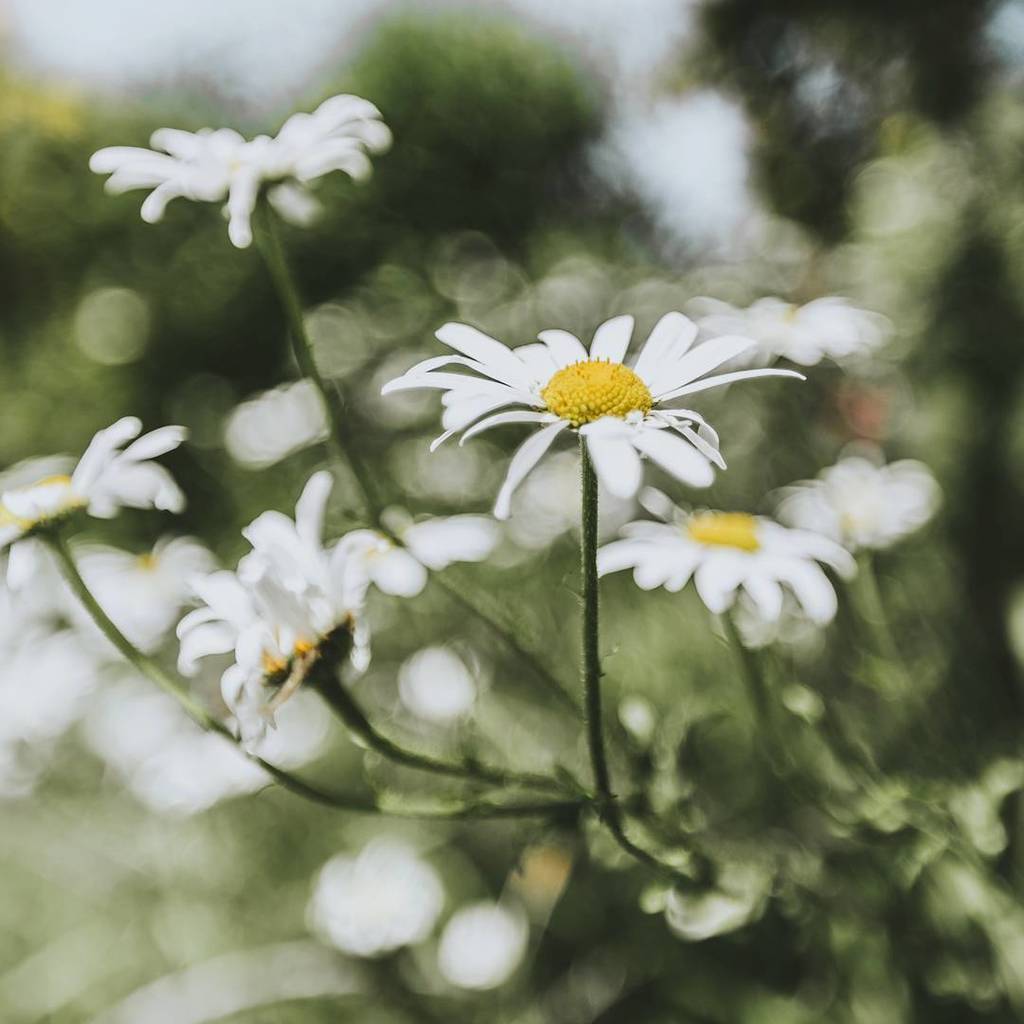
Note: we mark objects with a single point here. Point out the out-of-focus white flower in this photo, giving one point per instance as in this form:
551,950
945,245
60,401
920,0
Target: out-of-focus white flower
738,899
482,944
46,674
383,899
214,165
621,410
861,502
290,603
108,477
727,551
143,593
274,424
172,765
829,327
435,684
401,569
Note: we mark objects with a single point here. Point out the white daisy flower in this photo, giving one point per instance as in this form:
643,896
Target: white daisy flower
108,477
726,552
217,165
829,327
291,603
863,503
621,410
143,593
400,569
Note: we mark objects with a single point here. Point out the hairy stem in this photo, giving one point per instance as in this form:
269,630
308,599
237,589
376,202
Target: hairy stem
355,720
590,662
342,801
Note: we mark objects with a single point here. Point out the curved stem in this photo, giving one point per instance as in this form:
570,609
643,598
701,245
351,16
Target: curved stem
341,801
335,400
344,704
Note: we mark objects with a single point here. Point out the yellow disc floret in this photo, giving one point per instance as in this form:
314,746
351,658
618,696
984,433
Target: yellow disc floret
586,391
724,529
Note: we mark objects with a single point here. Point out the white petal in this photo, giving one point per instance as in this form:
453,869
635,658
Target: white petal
766,595
311,507
717,578
615,459
668,342
156,442
496,359
811,587
439,542
611,339
698,362
526,457
675,456
501,418
726,378
396,572
565,348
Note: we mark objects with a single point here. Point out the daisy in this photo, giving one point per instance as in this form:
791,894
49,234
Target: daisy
108,477
726,552
143,593
829,327
398,564
290,605
622,411
217,165
861,502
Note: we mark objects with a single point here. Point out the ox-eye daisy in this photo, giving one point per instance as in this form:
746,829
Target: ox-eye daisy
291,605
861,502
108,477
621,410
829,327
724,552
214,165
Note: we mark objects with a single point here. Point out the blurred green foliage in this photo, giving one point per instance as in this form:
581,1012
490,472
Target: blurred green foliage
883,821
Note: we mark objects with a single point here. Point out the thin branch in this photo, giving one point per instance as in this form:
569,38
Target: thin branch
344,704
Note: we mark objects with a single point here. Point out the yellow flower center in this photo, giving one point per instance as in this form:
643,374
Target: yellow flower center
586,391
724,529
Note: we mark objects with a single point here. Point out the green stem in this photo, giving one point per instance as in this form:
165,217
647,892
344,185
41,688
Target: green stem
335,400
342,801
608,808
345,706
591,656
753,677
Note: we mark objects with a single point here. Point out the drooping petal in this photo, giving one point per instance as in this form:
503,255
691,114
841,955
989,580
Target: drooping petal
726,378
526,457
618,467
675,456
501,418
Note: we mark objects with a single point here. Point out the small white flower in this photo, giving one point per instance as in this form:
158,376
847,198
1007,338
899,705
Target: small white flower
621,410
290,602
724,552
863,503
108,477
383,899
429,544
828,327
214,165
143,593
482,945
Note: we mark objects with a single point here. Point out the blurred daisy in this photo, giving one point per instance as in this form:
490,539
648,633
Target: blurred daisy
429,544
108,477
436,685
726,552
291,604
621,410
143,593
214,165
829,327
482,945
861,502
383,899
